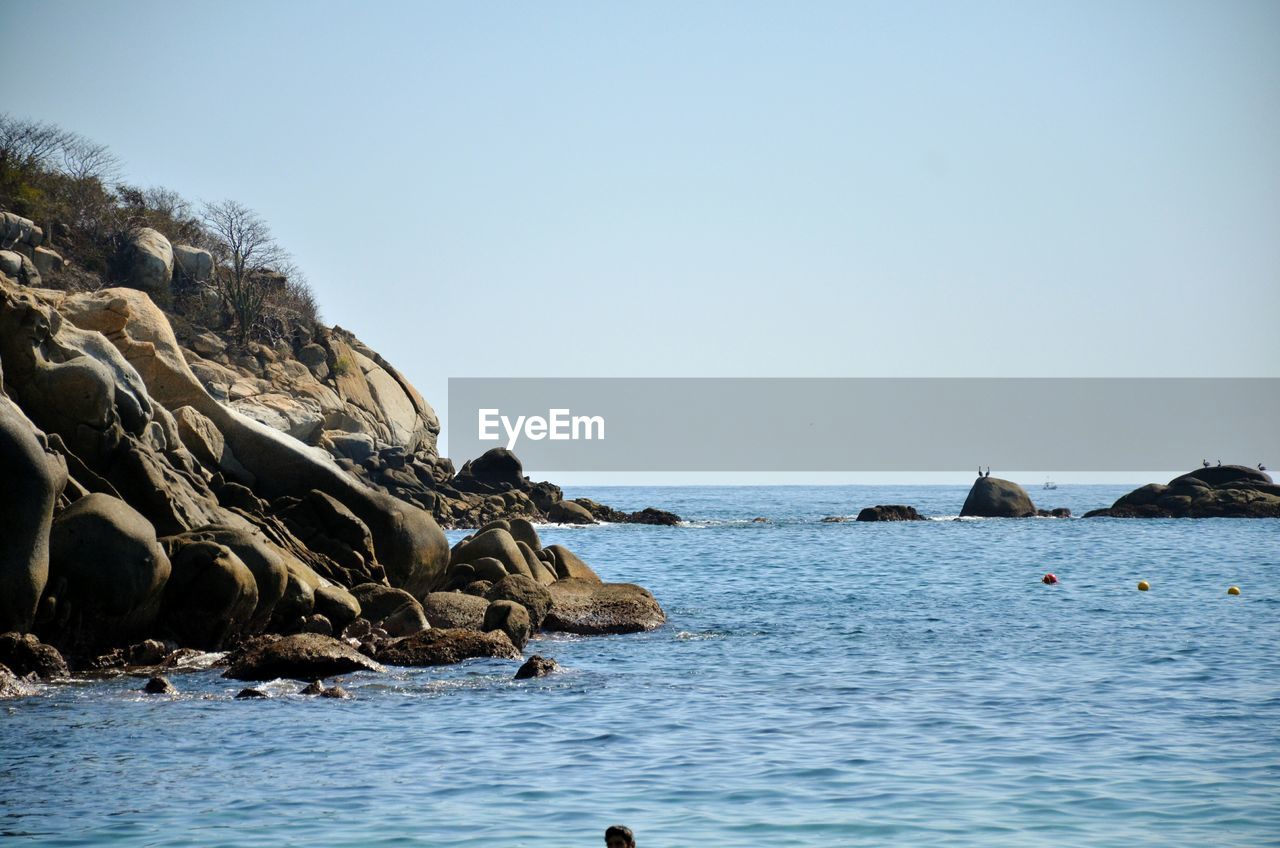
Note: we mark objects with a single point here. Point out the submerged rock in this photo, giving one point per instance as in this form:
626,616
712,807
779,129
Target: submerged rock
302,656
890,512
159,686
13,686
536,666
246,694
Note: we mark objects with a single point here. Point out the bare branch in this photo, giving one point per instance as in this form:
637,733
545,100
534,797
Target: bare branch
83,159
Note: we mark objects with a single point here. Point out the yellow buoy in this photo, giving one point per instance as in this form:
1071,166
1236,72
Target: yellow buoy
1143,585
1233,590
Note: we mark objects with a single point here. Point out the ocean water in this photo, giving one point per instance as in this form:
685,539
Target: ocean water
816,684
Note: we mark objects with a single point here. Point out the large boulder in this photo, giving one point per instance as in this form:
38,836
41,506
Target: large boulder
587,608
568,566
443,646
992,497
455,610
302,656
511,619
568,512
496,543
31,479
192,264
19,267
338,605
268,564
394,610
15,229
522,530
48,262
150,261
211,596
527,592
107,573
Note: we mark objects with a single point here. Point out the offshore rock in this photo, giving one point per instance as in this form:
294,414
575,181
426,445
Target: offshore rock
890,512
992,497
1225,491
536,666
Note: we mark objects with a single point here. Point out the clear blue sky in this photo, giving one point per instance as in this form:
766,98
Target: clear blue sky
718,189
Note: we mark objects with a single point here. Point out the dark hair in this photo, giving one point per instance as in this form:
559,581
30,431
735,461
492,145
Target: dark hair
619,830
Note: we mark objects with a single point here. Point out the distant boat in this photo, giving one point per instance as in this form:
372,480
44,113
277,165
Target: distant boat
1049,484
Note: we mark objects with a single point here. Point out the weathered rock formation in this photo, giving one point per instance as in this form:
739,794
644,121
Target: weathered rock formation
1224,491
164,486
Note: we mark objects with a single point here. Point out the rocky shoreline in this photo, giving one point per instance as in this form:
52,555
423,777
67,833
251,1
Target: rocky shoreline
169,490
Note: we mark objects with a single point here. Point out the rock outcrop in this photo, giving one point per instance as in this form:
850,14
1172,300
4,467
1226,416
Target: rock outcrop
1223,491
991,497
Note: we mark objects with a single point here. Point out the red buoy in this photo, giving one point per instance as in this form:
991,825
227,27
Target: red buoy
1049,579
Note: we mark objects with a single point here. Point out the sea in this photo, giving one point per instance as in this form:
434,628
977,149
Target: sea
816,684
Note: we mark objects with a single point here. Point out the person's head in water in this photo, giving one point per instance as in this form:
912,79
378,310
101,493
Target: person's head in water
619,837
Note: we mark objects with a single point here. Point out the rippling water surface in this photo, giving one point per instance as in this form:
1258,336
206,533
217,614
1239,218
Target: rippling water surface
816,684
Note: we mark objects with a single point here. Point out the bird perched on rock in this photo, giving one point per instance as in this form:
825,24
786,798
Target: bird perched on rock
1219,463
1205,463
1261,467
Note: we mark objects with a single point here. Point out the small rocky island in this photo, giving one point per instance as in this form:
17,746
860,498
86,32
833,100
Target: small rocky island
1218,491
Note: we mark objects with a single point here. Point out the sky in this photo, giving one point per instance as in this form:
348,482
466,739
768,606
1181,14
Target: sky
718,188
